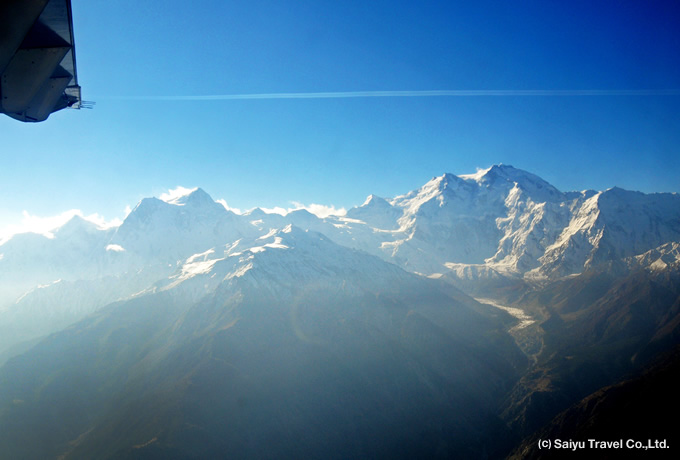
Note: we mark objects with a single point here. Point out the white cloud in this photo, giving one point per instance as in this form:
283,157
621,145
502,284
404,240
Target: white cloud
174,194
115,248
46,225
319,210
477,175
101,222
277,210
227,207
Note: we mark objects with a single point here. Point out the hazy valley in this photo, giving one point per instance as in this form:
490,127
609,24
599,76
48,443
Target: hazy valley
190,331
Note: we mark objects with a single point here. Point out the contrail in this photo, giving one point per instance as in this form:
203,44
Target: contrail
426,93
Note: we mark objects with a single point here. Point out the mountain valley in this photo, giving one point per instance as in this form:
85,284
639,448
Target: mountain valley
191,331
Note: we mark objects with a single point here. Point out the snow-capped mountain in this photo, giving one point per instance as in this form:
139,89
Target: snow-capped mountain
501,220
285,333
292,316
609,226
163,231
499,224
377,212
75,251
282,259
506,221
666,256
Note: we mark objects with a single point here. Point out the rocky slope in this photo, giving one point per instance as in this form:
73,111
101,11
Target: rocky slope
285,346
187,298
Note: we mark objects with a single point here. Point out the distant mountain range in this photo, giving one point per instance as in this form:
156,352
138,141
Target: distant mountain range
190,330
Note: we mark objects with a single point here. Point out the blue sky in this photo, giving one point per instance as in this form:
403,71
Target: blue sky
272,152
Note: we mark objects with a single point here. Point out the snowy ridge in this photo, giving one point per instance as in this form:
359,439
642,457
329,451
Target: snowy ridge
664,257
501,218
497,225
276,263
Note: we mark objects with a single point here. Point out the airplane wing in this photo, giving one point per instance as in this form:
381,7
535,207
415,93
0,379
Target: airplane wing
37,59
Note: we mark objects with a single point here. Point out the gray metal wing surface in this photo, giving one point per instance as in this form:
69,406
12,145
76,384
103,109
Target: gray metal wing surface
37,59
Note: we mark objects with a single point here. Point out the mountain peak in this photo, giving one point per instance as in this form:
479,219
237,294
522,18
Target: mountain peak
507,175
147,205
375,200
377,212
76,224
449,180
255,212
495,171
182,196
503,170
438,184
